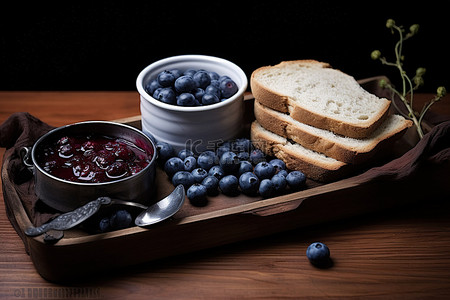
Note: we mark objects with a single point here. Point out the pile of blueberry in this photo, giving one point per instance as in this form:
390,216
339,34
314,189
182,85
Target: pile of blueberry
191,87
234,167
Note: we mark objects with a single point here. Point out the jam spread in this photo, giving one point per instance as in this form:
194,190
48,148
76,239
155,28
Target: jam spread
93,158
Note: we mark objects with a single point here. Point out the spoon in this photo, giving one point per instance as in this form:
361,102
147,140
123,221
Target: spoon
155,213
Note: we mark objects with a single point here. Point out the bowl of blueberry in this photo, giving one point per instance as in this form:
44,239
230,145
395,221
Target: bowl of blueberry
192,101
77,163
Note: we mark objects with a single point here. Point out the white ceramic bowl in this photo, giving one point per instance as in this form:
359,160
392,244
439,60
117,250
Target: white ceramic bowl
200,127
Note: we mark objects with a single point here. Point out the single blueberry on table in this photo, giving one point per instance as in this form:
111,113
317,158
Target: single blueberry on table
264,170
266,188
183,153
217,172
190,163
199,174
318,254
212,185
229,185
165,151
229,162
120,219
196,194
296,180
104,224
173,165
249,183
183,177
245,166
278,164
279,183
207,159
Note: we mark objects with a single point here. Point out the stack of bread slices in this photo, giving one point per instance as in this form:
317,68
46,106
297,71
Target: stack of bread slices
319,120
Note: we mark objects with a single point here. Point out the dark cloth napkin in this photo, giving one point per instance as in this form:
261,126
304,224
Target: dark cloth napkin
22,129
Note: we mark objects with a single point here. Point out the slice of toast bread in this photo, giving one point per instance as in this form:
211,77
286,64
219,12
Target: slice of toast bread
313,93
345,149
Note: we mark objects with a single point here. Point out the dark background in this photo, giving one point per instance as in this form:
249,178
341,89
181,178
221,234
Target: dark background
103,45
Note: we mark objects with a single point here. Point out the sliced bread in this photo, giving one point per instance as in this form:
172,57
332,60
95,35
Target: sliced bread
345,149
314,165
315,94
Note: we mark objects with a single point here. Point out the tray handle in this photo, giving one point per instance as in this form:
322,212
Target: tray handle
276,208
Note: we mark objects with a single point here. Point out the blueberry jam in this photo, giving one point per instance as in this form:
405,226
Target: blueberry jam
93,159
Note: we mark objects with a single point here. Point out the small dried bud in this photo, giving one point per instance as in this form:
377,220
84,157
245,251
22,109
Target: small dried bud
376,54
441,91
390,23
383,83
414,29
418,80
420,71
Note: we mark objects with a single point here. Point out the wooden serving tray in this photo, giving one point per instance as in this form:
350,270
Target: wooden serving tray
224,220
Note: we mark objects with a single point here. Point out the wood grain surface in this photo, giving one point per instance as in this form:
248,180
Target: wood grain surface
402,253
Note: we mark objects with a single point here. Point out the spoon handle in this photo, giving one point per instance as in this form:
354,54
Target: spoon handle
70,219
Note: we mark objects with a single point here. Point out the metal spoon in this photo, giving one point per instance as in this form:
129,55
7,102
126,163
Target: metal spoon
155,213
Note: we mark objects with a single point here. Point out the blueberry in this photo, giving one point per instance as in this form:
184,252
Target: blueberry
215,83
296,180
266,188
199,174
249,183
222,149
152,86
244,156
257,156
212,185
245,166
187,99
104,224
228,88
120,219
183,177
279,183
213,75
190,72
264,170
166,78
165,151
201,79
198,94
210,89
166,95
217,172
183,153
278,164
242,145
229,162
318,254
157,92
229,185
173,165
283,173
176,72
209,99
190,163
184,84
207,159
196,194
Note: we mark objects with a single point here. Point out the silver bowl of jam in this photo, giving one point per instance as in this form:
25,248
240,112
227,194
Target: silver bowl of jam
78,163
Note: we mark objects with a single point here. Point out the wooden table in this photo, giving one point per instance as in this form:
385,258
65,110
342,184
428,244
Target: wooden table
395,254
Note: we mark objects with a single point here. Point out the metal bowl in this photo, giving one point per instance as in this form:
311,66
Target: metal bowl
65,195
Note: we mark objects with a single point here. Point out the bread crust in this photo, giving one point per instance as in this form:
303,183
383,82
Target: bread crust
295,160
283,103
271,120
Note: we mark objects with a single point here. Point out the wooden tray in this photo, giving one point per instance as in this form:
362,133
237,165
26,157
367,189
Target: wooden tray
224,220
